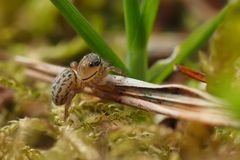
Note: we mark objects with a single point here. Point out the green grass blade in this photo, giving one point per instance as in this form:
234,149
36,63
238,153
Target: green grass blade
91,37
149,12
131,18
138,26
136,44
158,72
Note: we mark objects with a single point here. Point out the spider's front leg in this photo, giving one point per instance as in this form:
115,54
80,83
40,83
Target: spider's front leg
110,68
100,84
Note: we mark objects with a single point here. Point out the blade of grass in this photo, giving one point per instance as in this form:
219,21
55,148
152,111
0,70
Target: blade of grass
91,37
132,23
158,72
131,16
149,12
140,27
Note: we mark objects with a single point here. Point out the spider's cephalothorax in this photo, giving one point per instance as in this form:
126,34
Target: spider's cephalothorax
91,68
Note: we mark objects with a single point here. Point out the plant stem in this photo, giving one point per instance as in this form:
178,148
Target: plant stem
138,26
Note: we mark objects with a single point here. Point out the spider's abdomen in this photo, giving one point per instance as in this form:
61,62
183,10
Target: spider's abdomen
65,82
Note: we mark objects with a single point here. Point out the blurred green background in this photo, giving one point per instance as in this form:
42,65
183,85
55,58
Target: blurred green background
36,28
107,130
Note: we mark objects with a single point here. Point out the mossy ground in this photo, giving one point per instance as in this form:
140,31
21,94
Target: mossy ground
33,128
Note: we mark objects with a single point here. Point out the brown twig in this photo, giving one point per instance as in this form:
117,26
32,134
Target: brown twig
173,100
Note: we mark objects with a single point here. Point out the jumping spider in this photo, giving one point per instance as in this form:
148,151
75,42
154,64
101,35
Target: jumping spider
88,72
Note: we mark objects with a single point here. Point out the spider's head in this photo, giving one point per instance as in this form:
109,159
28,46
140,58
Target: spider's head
89,66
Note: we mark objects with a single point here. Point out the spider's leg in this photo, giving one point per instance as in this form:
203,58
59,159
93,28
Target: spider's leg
68,104
115,70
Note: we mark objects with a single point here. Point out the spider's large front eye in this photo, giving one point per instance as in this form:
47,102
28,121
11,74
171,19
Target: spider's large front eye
95,62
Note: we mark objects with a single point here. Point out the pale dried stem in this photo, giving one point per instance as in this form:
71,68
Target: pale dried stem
173,100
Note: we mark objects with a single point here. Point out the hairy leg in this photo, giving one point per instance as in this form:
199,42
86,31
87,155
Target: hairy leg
115,70
68,104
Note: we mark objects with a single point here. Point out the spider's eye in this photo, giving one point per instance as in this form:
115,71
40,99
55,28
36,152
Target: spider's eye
95,62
